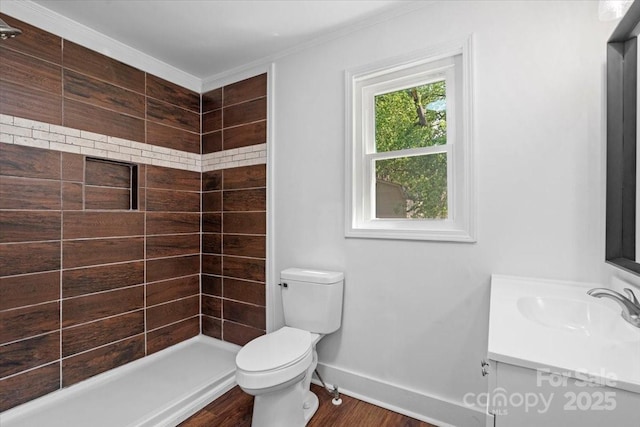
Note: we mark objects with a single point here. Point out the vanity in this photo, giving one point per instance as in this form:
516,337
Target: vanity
558,357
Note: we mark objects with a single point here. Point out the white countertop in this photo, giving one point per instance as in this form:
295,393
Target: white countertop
517,340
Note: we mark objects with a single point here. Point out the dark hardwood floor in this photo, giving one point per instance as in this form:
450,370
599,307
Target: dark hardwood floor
234,408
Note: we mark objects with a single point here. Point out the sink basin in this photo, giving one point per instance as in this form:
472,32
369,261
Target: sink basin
555,325
592,319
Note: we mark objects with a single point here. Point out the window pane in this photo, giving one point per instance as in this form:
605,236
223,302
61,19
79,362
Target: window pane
412,187
411,118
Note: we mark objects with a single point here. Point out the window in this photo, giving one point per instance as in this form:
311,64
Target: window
409,152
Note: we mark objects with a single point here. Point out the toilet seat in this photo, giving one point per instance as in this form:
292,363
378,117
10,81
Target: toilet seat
274,359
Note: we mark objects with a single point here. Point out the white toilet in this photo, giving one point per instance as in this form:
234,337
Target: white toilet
276,368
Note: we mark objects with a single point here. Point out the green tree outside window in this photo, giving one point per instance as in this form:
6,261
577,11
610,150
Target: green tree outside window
405,119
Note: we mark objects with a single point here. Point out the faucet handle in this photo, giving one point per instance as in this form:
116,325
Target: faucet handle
632,296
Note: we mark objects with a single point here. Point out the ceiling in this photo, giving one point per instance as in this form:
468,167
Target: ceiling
208,37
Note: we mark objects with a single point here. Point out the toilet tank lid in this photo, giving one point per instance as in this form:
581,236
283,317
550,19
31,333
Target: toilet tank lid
310,275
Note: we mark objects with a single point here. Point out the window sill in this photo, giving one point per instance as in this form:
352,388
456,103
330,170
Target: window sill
448,235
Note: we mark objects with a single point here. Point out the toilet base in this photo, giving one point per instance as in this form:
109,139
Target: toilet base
292,404
288,407
311,404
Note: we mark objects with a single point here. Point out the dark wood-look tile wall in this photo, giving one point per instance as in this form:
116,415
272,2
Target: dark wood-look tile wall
234,214
25,162
235,115
172,115
31,74
107,174
23,101
83,291
172,252
29,385
29,226
23,193
97,198
30,353
94,64
83,116
178,139
34,41
95,334
20,291
84,365
46,78
87,89
170,92
172,334
72,281
26,70
233,253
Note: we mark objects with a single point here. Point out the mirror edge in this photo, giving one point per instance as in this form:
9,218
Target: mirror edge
622,55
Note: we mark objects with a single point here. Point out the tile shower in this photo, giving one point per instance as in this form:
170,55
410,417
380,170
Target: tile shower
104,262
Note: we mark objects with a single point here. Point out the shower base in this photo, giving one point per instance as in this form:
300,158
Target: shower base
163,389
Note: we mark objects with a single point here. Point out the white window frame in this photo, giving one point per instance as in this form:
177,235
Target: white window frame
451,62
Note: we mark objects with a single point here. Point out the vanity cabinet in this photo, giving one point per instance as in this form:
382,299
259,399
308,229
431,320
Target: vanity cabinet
526,397
559,357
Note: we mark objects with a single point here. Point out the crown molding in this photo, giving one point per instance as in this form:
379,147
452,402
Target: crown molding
41,17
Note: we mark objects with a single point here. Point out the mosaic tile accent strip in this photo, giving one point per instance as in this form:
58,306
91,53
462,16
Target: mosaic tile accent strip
32,133
237,157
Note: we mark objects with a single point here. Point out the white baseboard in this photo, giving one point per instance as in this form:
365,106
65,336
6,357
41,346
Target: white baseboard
419,405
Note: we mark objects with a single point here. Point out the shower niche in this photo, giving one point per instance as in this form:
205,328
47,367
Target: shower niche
110,185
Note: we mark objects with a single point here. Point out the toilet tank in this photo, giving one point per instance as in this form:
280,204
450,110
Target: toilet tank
312,299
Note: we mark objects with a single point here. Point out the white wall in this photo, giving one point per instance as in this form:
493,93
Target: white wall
416,313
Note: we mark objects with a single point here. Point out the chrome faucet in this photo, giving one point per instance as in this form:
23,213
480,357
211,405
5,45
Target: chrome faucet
630,305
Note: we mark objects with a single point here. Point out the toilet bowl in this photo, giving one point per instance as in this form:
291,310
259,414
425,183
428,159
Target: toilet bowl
276,368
